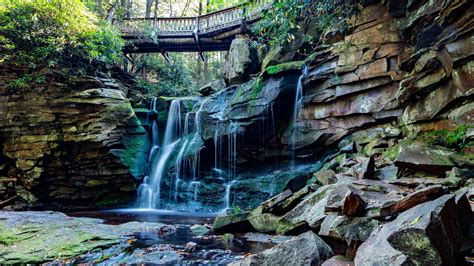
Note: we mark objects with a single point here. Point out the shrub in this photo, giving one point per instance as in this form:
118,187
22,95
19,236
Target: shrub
36,31
455,138
281,23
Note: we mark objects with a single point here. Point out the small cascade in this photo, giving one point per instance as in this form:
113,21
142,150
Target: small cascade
154,141
228,190
154,131
196,185
232,164
173,129
152,184
296,110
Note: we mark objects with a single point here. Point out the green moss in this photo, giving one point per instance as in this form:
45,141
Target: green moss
134,155
454,138
392,153
228,237
8,237
416,245
294,65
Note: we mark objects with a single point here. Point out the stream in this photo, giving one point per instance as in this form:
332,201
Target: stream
191,243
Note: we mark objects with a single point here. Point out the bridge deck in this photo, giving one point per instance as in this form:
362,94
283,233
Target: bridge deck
211,32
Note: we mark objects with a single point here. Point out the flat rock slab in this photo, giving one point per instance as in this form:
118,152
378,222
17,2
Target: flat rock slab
37,237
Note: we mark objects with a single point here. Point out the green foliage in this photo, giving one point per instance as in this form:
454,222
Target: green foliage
21,83
215,5
281,23
455,138
34,32
166,78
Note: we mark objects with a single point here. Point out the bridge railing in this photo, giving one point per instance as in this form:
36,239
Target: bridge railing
188,25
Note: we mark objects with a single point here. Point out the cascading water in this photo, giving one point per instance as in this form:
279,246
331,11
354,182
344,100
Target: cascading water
296,111
183,184
149,190
228,191
154,131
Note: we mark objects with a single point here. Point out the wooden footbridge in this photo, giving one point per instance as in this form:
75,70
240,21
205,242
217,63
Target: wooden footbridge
210,32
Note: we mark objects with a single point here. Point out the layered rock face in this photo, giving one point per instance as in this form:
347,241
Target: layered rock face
399,71
71,137
395,96
414,69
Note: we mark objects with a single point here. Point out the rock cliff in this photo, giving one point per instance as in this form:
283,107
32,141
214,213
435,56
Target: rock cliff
395,96
70,137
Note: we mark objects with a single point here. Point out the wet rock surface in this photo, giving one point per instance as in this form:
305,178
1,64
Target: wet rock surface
39,237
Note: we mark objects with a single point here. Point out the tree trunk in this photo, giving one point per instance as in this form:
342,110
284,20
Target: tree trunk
148,8
111,13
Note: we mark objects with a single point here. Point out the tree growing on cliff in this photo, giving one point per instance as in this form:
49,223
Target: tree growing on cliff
34,32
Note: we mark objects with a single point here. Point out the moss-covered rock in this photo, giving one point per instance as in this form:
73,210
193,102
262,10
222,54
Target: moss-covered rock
38,237
284,67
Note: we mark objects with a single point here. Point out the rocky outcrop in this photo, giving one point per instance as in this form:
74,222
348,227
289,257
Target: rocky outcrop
305,249
390,69
428,234
347,209
241,61
70,138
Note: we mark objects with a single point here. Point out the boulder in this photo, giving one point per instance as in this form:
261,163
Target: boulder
428,234
411,200
308,213
241,61
305,249
326,177
431,159
346,228
232,223
387,173
212,87
354,205
338,261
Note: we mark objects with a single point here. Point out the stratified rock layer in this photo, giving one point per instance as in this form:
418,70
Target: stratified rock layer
72,139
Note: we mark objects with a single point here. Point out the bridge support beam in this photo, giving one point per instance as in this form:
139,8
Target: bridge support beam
196,38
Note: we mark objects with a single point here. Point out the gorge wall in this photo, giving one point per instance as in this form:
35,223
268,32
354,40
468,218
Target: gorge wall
401,70
73,138
410,65
70,137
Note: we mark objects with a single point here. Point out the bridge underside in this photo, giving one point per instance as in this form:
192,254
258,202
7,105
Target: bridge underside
218,40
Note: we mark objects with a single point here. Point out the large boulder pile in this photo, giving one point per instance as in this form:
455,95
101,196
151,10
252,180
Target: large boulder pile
374,197
70,137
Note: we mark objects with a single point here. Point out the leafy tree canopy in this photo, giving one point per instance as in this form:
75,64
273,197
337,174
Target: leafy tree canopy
34,31
281,23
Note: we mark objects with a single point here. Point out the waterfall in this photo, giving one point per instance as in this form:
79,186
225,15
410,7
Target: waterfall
228,188
296,111
149,190
154,131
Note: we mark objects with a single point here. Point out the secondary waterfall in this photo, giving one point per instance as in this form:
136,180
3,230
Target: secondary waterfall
296,110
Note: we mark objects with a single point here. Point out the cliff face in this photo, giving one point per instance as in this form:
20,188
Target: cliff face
401,69
70,137
414,69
